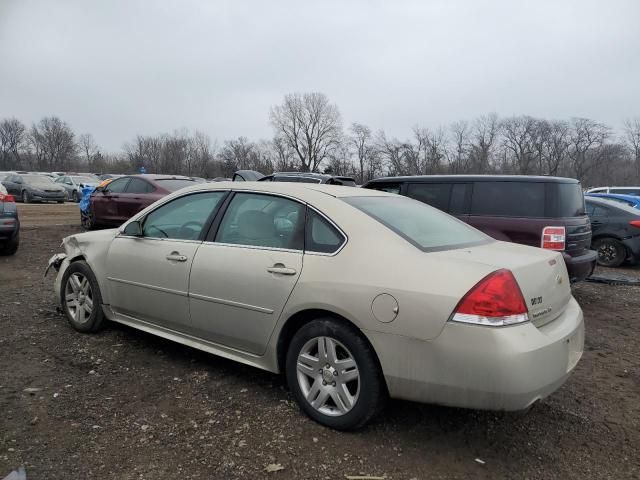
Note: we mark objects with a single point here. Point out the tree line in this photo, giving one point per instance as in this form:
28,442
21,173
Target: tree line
308,135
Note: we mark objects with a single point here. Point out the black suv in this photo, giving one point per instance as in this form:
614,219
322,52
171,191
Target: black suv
547,212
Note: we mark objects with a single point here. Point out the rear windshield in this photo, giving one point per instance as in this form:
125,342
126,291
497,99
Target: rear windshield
425,227
173,184
569,200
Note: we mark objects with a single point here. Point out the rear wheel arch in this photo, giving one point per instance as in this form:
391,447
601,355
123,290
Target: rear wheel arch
303,317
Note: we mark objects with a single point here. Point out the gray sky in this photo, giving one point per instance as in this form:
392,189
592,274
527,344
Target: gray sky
119,68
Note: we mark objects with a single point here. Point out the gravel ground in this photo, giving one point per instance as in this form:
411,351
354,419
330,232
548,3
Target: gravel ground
123,404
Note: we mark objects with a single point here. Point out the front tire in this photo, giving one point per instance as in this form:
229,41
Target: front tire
26,198
75,197
611,253
334,374
81,299
11,247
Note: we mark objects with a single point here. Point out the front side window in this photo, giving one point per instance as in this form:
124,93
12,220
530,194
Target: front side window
434,194
508,199
320,235
423,226
183,218
117,186
264,221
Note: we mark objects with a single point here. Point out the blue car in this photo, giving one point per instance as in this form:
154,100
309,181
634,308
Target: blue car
9,224
629,200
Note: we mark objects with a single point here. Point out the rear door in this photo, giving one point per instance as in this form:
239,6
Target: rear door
242,279
136,196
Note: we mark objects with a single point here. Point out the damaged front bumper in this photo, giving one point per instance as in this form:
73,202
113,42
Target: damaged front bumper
55,262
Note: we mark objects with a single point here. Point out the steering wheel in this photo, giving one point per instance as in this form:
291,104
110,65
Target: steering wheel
188,233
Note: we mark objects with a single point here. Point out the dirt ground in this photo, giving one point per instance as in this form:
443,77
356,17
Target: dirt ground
123,404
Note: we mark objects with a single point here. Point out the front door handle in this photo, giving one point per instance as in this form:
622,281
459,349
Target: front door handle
176,257
280,269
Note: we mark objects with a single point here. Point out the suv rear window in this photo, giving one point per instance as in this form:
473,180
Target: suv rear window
425,227
508,199
569,201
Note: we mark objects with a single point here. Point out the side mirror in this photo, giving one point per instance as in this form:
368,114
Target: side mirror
133,229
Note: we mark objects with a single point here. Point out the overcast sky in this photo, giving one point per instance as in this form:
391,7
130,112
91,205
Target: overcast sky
119,68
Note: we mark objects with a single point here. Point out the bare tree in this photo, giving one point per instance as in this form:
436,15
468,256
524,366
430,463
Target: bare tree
12,140
459,157
585,141
632,137
310,125
54,144
484,132
519,138
361,140
88,147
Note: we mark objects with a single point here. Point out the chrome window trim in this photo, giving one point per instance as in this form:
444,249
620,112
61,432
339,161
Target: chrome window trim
253,247
160,239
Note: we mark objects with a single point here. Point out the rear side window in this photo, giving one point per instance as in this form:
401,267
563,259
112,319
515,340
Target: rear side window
434,194
320,235
137,185
423,226
508,199
117,186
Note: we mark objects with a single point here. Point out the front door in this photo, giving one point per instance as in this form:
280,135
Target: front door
104,202
240,282
148,276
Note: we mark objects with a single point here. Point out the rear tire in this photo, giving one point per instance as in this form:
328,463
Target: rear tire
611,253
334,374
11,247
81,299
87,220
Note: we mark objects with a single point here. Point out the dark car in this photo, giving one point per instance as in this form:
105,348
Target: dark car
122,198
629,200
547,212
306,177
9,224
616,231
247,176
32,187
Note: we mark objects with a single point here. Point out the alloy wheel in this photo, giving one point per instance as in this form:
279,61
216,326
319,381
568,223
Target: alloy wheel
607,252
328,376
79,297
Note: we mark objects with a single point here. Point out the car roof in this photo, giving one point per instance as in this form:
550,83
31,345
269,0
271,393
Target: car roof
476,178
157,176
299,190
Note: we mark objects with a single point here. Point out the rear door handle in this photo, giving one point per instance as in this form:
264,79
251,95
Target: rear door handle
281,270
176,257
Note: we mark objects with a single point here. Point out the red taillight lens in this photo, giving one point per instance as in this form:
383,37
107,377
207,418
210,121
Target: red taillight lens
635,223
553,238
496,300
6,198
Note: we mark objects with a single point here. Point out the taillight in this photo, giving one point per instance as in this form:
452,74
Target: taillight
553,238
495,301
6,198
635,223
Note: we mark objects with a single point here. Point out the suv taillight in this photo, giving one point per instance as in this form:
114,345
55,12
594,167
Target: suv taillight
496,301
6,198
553,238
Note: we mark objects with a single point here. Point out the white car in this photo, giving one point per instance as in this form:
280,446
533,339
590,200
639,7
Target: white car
353,294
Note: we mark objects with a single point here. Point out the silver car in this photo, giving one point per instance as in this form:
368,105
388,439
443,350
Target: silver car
355,295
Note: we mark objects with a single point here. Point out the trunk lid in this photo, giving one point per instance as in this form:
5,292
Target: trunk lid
541,275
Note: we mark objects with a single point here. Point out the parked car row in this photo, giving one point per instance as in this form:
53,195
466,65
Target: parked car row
280,276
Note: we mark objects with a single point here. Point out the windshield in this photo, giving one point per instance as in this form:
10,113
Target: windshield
425,227
37,179
84,180
173,184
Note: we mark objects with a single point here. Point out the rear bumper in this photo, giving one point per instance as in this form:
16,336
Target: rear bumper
9,227
580,267
480,367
